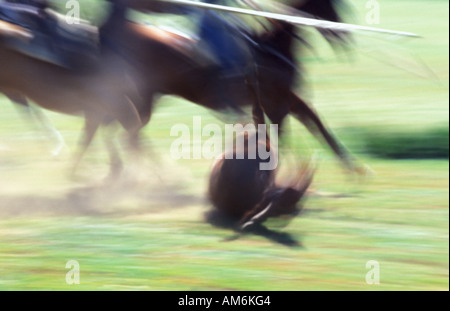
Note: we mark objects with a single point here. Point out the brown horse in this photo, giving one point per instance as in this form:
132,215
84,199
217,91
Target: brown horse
167,64
101,94
160,62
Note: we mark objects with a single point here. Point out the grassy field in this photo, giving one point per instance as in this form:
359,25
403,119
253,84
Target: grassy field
147,232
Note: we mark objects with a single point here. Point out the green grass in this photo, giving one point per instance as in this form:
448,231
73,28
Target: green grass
149,233
429,144
399,219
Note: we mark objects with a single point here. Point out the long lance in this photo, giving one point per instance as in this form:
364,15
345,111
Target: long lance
296,20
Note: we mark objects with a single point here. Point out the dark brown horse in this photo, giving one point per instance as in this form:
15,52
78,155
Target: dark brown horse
166,62
160,62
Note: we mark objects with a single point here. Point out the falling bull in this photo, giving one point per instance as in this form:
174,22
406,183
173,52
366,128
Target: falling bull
246,195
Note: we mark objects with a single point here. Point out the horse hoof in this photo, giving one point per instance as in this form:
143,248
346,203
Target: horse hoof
365,171
56,152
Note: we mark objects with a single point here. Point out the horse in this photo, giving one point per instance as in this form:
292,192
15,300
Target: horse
112,76
101,94
244,195
167,62
161,62
33,113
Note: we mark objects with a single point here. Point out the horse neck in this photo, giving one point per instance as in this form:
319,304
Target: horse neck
324,9
280,39
115,22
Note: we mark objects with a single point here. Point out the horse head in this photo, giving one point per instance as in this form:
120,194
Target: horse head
328,10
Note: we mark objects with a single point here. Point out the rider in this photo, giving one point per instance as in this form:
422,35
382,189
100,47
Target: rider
224,38
68,47
41,5
42,23
219,33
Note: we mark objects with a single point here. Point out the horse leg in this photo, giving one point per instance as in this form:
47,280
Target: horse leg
131,115
37,114
145,112
50,129
305,114
91,126
257,109
144,109
134,116
17,99
116,164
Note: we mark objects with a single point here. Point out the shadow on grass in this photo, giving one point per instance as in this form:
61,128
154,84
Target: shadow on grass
218,219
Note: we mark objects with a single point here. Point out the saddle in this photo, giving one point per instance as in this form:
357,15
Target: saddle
194,48
54,40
